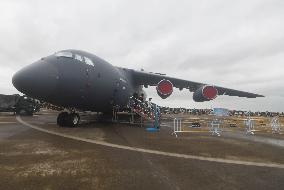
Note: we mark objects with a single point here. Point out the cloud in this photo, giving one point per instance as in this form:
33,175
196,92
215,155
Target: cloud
237,44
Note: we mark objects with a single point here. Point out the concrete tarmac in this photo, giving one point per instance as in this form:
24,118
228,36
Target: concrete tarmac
33,159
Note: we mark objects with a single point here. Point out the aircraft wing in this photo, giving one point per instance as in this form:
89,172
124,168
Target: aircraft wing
152,79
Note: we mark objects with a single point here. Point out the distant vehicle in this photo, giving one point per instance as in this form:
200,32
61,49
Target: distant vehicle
77,80
232,125
21,105
195,124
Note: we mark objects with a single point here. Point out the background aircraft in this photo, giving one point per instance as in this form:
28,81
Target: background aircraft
77,80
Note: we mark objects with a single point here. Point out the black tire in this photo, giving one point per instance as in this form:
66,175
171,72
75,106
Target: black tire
21,112
73,120
29,113
62,119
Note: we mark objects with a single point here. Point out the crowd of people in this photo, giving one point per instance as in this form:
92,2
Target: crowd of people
138,103
167,110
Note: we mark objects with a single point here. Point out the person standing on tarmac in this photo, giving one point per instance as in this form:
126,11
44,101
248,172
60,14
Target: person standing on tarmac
157,113
149,107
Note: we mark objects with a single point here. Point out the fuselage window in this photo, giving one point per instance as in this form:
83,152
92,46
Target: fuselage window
89,61
79,58
64,54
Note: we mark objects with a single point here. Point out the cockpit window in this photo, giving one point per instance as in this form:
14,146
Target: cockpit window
89,61
64,54
79,58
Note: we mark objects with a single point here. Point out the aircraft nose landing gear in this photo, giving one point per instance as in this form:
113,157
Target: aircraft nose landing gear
66,119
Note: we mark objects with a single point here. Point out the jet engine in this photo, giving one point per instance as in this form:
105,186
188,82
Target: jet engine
164,88
205,93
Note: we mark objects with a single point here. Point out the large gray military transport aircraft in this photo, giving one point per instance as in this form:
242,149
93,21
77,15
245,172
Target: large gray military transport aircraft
77,80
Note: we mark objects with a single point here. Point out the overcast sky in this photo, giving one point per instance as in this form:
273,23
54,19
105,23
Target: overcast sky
236,44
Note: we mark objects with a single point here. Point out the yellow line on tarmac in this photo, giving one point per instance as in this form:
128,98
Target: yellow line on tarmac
6,117
193,131
156,152
3,122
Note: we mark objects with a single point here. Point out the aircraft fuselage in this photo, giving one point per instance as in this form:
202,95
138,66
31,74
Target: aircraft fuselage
83,81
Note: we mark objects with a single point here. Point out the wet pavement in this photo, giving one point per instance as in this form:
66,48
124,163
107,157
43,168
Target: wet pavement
31,159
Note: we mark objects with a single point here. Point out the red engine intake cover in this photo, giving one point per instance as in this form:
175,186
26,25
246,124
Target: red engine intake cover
209,92
164,88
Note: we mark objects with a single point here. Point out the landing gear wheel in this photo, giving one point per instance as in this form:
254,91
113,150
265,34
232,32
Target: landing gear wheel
62,119
65,119
73,120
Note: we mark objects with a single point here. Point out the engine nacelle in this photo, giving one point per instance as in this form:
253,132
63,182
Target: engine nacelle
205,93
164,88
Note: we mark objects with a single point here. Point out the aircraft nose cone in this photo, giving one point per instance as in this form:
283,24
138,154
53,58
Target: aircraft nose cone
38,80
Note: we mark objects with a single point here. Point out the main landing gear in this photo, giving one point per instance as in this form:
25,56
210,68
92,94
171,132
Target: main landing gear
66,119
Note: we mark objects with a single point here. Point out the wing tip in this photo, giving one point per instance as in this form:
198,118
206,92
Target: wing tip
257,96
